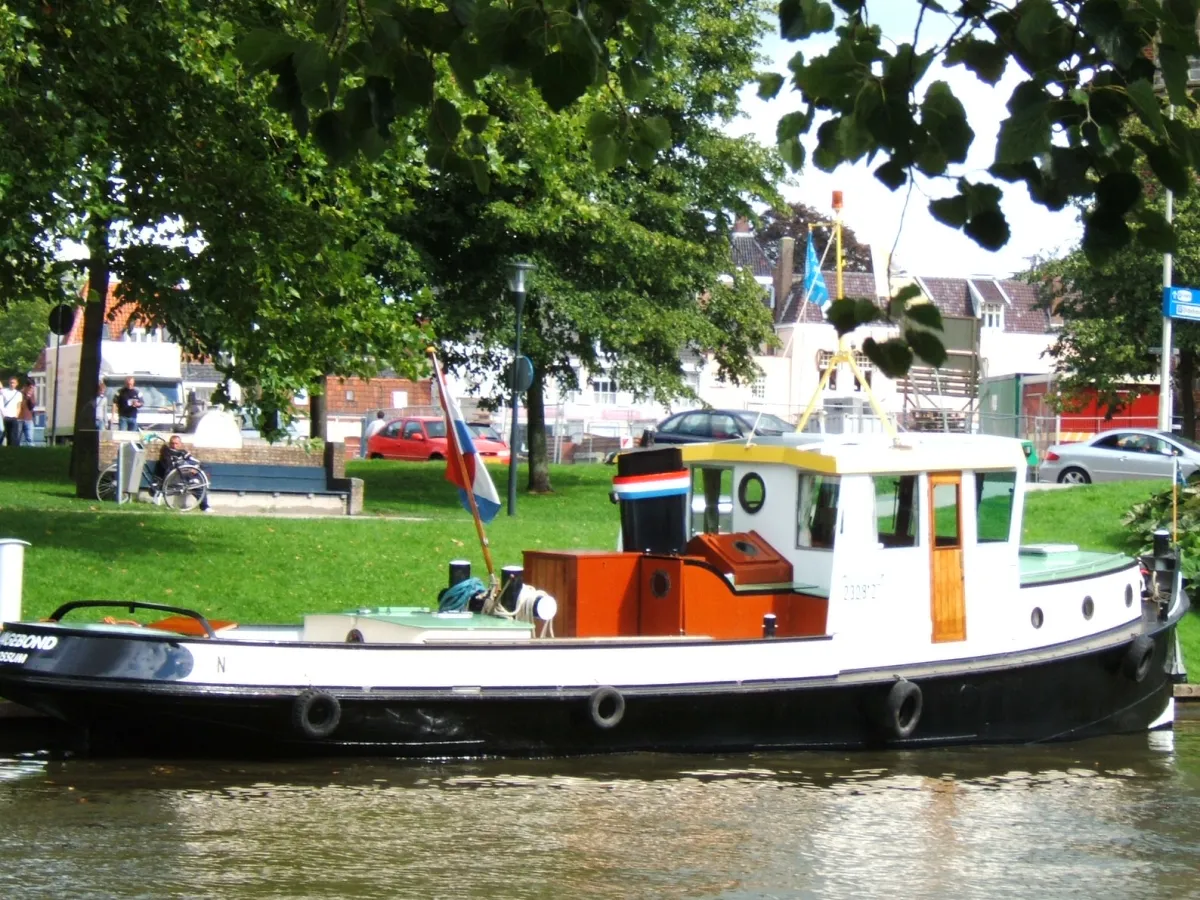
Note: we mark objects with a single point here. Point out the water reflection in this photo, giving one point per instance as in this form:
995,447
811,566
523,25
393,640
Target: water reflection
1112,818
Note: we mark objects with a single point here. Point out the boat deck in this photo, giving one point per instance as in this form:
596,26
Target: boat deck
1048,563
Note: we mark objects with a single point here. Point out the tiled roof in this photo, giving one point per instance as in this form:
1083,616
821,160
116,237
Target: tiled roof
854,284
747,254
988,290
952,296
118,316
1023,315
949,295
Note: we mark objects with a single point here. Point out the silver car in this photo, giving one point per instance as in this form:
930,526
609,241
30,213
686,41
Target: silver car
1121,455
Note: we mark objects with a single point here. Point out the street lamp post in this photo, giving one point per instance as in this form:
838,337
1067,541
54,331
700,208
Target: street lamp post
516,284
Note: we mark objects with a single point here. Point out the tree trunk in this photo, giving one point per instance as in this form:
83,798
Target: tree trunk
85,445
318,408
1185,385
535,415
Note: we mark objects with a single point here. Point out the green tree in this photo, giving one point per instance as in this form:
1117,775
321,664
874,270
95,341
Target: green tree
132,132
1110,306
22,336
630,251
868,96
793,220
1111,312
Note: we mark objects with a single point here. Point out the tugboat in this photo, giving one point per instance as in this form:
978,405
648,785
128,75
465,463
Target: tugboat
789,594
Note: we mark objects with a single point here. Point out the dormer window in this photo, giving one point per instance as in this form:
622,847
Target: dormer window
993,316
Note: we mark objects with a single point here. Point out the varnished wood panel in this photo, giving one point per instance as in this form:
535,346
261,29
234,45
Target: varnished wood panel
947,602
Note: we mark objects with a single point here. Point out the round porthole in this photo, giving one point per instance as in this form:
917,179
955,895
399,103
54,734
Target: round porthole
1088,607
660,583
745,548
1129,595
1036,618
751,493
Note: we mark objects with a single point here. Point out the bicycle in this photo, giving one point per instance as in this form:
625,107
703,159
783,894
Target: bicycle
183,488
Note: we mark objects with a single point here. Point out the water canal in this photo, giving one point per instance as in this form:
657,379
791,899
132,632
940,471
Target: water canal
1113,818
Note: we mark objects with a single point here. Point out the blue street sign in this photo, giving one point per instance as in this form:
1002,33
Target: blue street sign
1181,303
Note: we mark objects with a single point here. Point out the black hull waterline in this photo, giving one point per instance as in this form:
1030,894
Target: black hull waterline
1074,693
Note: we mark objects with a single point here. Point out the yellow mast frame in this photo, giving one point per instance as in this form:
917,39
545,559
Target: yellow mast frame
844,354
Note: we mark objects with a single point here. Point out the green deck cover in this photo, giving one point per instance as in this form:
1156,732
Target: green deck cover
420,617
1043,563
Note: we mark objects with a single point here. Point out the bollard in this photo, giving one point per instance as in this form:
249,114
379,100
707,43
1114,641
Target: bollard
460,571
512,579
769,625
12,572
1162,542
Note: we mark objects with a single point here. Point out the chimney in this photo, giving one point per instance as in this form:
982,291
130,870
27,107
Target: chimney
741,225
785,270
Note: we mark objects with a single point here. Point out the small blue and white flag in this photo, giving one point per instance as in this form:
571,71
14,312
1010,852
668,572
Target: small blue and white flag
815,291
1179,479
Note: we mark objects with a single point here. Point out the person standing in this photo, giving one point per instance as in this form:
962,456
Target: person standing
376,426
28,402
10,411
101,405
128,401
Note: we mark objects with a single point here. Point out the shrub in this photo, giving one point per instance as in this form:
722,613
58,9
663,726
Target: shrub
1144,518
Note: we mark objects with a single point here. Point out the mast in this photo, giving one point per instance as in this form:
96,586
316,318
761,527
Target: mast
844,354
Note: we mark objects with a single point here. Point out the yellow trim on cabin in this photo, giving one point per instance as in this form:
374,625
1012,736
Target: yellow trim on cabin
738,452
859,459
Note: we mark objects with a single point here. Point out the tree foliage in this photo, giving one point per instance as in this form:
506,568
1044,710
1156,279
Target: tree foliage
1112,308
1089,66
131,129
629,254
22,336
793,220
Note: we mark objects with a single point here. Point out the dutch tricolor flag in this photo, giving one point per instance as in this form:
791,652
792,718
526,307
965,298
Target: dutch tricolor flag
463,460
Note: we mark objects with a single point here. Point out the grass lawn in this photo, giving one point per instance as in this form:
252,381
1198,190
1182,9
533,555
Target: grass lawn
260,569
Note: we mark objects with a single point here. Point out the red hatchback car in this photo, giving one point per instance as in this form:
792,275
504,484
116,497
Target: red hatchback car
424,437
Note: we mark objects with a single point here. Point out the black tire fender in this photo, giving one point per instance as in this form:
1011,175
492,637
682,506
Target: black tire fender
1135,664
316,714
902,709
606,706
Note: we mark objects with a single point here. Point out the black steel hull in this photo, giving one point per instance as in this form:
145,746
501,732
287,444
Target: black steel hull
1076,694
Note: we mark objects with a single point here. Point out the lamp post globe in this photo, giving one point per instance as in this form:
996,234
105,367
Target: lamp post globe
517,270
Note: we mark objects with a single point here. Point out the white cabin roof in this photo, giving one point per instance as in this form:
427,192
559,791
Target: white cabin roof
867,453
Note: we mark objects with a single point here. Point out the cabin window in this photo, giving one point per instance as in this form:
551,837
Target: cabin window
896,507
994,504
712,500
945,503
752,493
816,514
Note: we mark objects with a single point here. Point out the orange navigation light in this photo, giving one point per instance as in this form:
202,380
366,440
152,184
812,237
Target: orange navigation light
837,199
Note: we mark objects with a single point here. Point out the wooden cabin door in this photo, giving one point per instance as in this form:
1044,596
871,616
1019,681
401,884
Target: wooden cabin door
947,604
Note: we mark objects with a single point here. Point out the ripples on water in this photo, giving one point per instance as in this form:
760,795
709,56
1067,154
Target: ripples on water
1112,818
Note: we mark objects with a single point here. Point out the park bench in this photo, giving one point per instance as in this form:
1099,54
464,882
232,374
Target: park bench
259,478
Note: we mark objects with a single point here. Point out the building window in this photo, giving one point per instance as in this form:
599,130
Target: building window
604,389
824,357
864,365
993,316
758,390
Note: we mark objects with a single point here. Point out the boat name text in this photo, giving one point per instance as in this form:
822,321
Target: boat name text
860,591
28,641
7,656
